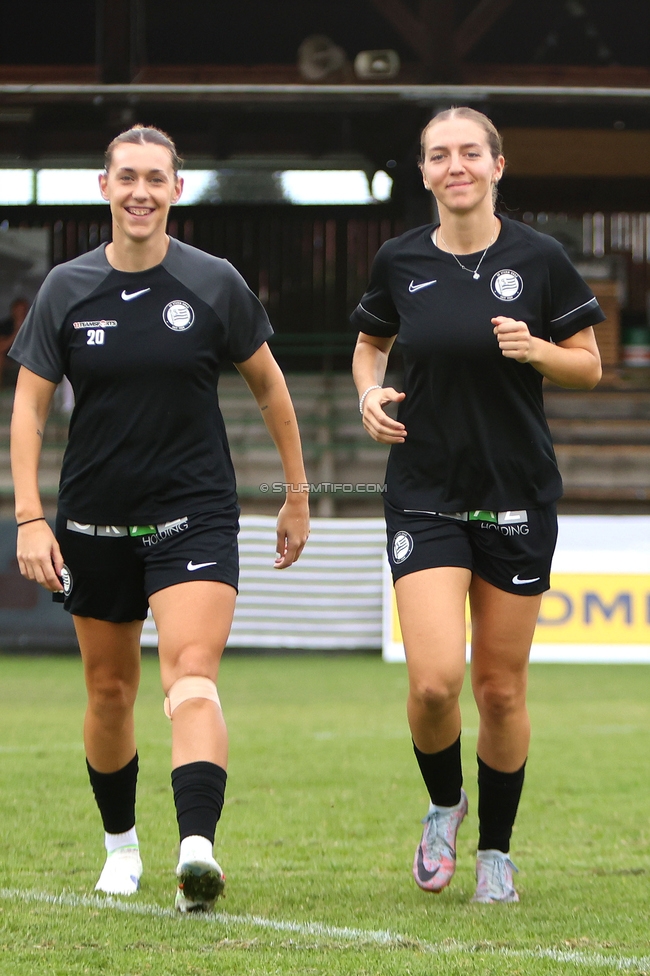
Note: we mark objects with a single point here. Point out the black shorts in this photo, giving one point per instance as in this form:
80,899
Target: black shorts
511,550
111,570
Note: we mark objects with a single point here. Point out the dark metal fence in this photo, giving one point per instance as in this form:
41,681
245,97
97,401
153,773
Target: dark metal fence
309,265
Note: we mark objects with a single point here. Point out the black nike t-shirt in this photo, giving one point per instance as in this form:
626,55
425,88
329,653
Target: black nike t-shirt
143,351
477,437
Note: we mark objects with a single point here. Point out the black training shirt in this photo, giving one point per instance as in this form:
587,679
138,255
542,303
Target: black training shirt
143,351
477,437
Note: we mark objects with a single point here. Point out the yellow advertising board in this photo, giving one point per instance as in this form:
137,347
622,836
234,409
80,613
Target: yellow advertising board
595,608
585,616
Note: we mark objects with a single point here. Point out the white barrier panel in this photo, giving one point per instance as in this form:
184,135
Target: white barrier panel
330,600
598,607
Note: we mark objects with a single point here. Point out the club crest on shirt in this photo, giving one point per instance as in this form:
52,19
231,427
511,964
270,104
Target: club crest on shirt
178,316
507,285
402,546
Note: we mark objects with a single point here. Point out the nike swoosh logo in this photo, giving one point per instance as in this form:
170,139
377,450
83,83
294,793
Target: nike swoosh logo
192,566
518,582
423,874
134,294
425,284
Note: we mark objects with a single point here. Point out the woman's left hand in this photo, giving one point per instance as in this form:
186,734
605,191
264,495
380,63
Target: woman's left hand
293,529
514,338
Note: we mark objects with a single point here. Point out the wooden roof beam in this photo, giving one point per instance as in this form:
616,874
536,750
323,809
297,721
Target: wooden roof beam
114,41
439,21
120,44
478,22
429,33
405,23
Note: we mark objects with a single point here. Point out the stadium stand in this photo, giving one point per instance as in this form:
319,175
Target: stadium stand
602,439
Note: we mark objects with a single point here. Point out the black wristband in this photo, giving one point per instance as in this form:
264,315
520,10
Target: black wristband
41,518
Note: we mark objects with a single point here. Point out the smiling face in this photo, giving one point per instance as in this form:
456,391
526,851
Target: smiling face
140,186
458,166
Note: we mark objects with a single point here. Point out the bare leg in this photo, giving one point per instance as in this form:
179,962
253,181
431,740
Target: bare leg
193,621
432,613
111,659
503,625
431,607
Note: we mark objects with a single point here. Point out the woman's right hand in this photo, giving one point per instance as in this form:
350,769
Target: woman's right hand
39,556
376,421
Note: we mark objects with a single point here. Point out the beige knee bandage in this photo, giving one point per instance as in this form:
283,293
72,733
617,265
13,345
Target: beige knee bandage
191,686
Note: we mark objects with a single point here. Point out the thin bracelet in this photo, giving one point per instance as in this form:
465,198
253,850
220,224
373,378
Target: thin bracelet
41,518
377,386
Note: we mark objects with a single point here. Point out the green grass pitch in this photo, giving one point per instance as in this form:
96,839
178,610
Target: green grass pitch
317,837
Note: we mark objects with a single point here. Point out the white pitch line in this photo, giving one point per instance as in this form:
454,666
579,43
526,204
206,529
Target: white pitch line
382,937
55,747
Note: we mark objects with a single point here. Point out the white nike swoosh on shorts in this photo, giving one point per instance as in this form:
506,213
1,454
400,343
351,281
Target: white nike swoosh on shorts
517,581
192,566
424,284
134,294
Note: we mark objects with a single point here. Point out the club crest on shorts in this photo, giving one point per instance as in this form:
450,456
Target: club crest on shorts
507,285
66,579
178,316
402,546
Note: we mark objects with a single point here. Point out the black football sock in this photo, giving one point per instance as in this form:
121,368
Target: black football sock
498,799
115,796
442,773
199,789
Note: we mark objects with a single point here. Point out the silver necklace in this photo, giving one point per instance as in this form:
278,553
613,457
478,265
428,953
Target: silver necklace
475,275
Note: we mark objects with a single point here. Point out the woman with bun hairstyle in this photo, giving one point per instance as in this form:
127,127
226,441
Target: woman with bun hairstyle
148,513
483,308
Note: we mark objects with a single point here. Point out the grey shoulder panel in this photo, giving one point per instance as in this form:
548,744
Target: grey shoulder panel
68,284
215,282
204,274
37,344
72,282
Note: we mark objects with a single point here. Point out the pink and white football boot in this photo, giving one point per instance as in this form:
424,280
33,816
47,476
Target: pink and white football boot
435,858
